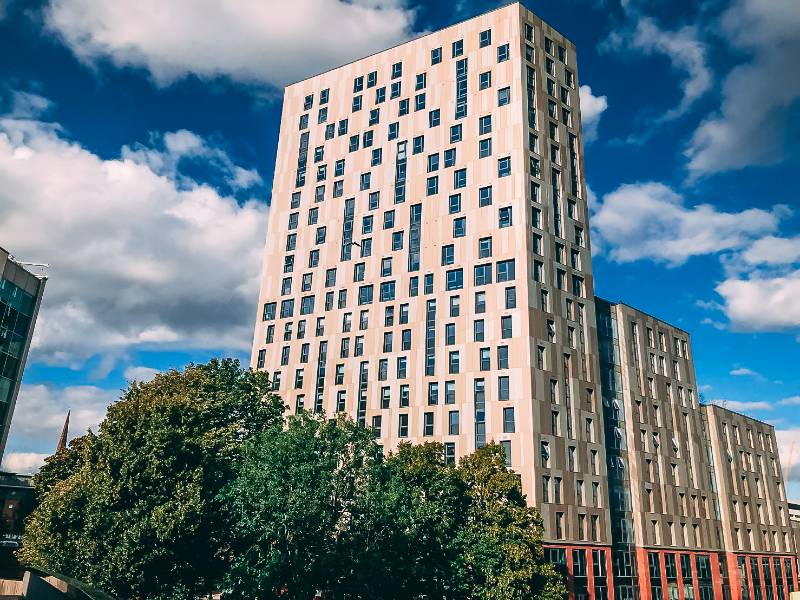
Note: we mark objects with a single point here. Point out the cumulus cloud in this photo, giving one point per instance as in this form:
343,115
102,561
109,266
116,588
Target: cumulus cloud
762,302
23,462
592,108
167,152
139,257
772,250
41,410
760,97
743,406
27,105
651,221
789,449
252,41
745,372
140,373
683,47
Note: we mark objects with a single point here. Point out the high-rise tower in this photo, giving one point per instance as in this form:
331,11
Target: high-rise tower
428,271
428,268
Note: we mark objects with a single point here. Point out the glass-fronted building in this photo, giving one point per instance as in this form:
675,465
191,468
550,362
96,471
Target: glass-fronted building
20,296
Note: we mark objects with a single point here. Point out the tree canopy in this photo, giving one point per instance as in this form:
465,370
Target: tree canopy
196,482
314,510
134,509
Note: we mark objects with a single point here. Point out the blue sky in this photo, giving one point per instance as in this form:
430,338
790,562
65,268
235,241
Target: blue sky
137,144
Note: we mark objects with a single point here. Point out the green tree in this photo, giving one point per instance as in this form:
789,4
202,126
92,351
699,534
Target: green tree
64,463
313,510
134,509
500,542
404,528
291,508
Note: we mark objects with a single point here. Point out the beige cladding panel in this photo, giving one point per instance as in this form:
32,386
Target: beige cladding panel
528,386
668,445
751,488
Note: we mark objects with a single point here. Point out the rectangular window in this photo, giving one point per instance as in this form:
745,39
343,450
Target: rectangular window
453,425
449,157
478,330
485,247
432,186
505,270
506,327
458,48
485,80
505,218
448,254
459,178
402,426
459,227
503,53
485,38
453,362
503,96
504,166
484,148
456,132
503,387
455,279
427,428
483,274
436,56
508,420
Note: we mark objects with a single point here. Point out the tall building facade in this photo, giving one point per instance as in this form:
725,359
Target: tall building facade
428,271
20,296
698,502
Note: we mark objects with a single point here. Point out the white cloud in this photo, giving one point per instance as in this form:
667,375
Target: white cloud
252,41
743,406
651,221
41,410
759,98
23,462
140,373
745,372
762,302
28,105
183,145
592,108
138,257
683,47
789,449
715,324
790,401
772,250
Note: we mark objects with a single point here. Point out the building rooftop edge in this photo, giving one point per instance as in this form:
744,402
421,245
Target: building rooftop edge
639,310
14,260
419,37
736,412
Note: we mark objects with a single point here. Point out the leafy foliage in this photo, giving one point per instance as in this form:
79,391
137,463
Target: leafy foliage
133,509
195,482
314,511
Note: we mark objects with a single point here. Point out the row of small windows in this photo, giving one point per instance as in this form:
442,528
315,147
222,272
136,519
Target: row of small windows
457,49
403,108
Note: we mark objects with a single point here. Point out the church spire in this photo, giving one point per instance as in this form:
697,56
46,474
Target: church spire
62,441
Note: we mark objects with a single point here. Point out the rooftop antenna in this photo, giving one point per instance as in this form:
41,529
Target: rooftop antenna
23,263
